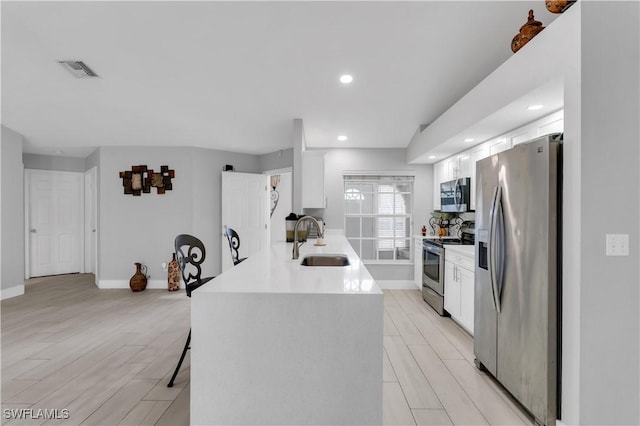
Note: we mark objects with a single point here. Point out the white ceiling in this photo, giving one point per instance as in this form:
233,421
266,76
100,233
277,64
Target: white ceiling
233,75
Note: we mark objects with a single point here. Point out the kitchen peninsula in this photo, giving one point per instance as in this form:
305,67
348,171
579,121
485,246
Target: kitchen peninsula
276,342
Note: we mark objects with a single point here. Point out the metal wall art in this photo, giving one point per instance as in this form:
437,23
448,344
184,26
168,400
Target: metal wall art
275,195
140,179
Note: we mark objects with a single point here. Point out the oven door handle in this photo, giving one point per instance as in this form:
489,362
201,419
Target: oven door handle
496,237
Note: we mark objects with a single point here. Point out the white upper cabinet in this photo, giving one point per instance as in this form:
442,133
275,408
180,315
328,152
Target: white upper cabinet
523,135
476,154
439,176
464,163
313,196
498,145
553,123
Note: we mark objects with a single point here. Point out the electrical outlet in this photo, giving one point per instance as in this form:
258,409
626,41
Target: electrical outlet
617,245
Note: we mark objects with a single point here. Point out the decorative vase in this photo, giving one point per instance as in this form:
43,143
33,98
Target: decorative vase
138,281
527,32
558,6
173,279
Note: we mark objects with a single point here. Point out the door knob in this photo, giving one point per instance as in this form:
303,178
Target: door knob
33,231
93,230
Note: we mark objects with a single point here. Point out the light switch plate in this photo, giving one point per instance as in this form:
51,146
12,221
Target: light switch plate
617,245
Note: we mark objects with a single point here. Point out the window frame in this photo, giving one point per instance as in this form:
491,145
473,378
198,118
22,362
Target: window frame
377,181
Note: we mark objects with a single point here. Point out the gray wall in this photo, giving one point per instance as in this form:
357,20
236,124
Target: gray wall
276,160
53,162
338,160
609,370
142,229
12,210
92,160
298,142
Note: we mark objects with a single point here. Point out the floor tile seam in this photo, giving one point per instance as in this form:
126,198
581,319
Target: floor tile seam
465,390
509,399
384,350
424,374
421,372
60,385
406,401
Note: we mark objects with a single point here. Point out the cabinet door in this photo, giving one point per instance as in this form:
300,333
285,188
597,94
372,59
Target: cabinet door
451,290
499,145
466,278
553,123
313,180
464,165
451,170
523,135
439,172
477,154
417,259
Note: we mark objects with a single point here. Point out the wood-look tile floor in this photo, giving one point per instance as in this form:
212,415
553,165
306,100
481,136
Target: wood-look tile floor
107,355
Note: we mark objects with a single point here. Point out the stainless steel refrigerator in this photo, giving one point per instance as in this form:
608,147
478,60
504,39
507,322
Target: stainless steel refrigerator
517,272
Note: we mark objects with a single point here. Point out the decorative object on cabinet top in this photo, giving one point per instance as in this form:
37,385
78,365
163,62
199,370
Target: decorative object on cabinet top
528,31
558,6
140,179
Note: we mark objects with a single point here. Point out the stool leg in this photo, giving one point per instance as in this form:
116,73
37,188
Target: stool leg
184,352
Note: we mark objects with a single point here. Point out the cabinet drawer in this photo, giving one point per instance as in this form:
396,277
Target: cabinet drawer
462,261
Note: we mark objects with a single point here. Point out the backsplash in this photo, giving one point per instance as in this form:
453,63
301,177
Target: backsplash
450,224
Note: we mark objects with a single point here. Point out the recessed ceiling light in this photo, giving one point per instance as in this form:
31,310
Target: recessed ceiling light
342,138
469,140
431,157
535,107
346,78
58,152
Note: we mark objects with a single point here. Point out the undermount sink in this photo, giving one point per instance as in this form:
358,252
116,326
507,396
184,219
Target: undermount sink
325,260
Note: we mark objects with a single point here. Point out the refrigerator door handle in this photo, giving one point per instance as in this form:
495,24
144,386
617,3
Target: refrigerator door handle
500,240
495,250
492,249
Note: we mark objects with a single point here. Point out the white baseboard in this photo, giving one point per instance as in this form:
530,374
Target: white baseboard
115,284
397,284
8,293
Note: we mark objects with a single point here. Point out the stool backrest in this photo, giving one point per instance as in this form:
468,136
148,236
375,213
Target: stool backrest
190,254
234,243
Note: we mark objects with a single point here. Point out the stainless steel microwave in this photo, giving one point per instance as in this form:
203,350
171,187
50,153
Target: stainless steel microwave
455,195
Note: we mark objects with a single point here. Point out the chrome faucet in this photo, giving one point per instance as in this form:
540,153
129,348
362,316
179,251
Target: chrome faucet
296,246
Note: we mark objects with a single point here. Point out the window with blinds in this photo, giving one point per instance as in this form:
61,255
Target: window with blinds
378,216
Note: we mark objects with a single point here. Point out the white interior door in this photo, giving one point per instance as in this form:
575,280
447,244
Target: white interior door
55,222
90,221
245,208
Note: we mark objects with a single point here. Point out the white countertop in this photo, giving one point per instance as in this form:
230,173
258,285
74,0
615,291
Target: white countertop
273,271
461,250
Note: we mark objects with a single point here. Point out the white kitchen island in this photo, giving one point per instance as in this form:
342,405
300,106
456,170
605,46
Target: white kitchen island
275,342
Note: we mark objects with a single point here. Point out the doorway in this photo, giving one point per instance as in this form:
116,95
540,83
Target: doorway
245,209
281,190
91,222
54,223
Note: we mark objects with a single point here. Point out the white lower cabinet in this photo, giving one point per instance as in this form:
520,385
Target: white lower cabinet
451,290
466,278
417,261
459,287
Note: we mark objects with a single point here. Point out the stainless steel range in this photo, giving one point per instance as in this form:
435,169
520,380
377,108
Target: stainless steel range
433,254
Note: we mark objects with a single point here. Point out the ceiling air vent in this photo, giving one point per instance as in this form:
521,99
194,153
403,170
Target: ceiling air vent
78,68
